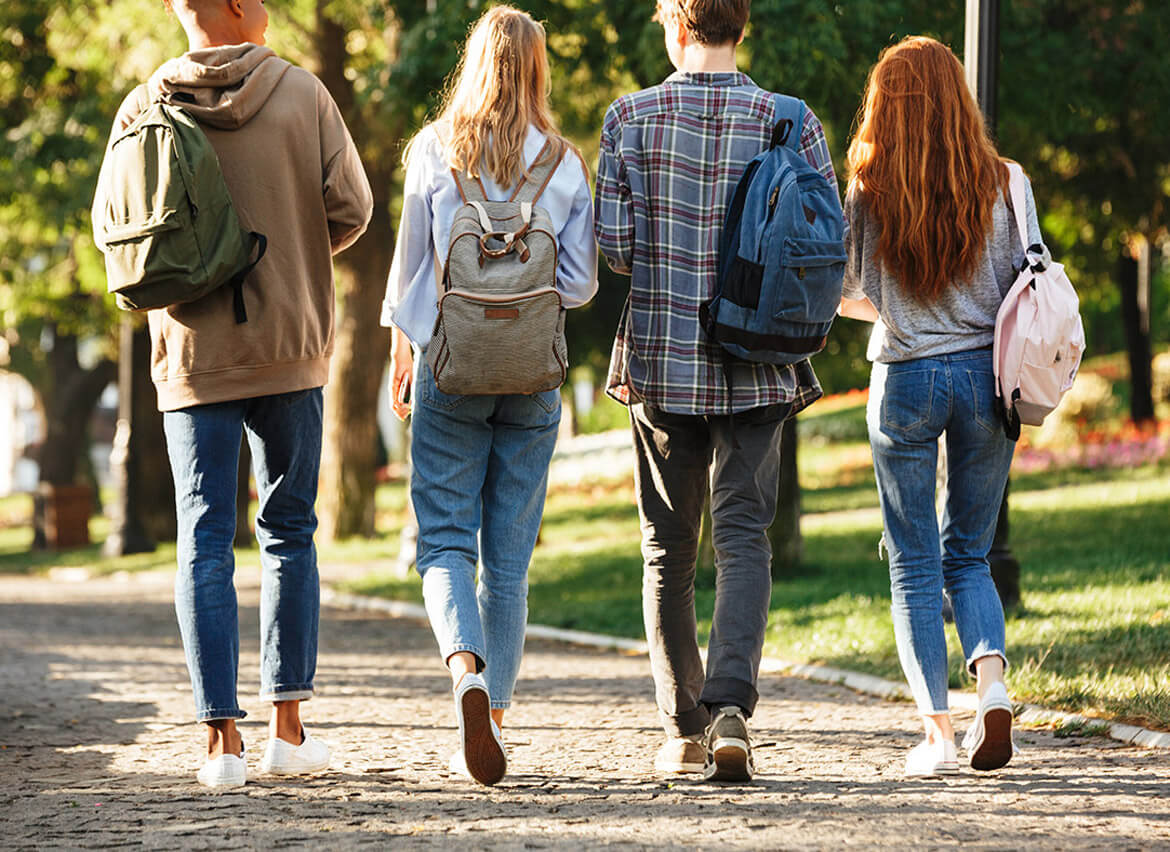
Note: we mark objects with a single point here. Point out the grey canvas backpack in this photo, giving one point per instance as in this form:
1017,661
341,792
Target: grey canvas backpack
501,325
164,219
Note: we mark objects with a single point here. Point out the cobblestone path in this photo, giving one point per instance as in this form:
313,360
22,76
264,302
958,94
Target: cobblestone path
96,751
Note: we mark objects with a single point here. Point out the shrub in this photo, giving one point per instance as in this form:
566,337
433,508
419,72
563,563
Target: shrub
1161,369
1089,400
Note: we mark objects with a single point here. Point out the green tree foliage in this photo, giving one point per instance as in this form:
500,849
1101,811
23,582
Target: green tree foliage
57,93
1083,83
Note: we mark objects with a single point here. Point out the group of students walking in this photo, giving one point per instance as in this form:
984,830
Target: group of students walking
930,247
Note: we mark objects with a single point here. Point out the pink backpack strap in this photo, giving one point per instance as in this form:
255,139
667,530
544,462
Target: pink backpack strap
1019,201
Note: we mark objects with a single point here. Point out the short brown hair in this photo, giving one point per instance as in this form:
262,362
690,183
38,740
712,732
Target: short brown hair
711,22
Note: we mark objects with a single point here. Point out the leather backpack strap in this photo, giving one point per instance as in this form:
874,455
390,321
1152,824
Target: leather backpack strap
535,179
470,189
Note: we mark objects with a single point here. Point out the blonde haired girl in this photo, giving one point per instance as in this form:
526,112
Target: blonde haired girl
480,463
932,251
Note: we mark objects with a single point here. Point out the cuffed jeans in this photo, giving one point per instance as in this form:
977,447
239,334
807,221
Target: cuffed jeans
480,466
203,442
912,403
678,457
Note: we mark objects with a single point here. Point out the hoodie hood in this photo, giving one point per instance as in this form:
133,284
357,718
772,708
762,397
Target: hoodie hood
220,86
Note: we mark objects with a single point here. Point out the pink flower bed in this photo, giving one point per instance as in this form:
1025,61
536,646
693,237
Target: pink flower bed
1131,447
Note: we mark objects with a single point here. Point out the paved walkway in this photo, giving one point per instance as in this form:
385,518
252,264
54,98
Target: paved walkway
96,752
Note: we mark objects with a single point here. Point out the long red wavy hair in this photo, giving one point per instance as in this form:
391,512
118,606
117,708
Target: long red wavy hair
926,167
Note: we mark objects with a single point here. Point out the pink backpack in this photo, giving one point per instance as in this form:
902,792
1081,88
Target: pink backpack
1039,338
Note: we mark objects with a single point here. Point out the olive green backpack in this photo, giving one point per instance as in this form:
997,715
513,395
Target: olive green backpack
164,219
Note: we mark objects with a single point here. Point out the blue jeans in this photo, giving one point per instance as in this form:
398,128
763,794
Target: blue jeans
203,442
912,403
480,466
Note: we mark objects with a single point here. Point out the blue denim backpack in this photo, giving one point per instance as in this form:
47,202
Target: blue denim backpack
781,254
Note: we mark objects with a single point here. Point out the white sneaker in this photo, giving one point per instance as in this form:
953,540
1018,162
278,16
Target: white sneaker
284,758
988,742
928,759
482,747
227,770
457,765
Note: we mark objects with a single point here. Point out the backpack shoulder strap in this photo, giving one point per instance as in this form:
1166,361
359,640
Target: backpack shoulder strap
470,189
536,178
789,121
1019,201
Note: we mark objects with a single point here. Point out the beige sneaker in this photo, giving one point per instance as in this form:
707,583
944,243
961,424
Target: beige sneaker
679,756
729,749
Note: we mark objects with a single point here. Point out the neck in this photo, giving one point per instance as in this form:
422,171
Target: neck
702,57
203,34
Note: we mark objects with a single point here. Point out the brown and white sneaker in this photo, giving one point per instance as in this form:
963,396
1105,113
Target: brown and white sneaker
680,756
729,749
481,744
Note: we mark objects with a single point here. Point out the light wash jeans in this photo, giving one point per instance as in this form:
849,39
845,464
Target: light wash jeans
203,442
912,403
480,470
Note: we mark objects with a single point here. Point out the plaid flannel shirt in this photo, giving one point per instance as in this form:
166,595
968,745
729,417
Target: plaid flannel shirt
671,156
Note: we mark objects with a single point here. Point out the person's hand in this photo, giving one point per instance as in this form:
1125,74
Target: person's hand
401,369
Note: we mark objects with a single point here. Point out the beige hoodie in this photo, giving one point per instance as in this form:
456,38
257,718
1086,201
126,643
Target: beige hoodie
295,176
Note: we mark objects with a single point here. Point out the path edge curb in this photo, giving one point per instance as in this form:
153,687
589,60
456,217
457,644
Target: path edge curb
1030,714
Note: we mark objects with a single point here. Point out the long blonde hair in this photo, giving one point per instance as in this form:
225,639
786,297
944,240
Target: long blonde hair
925,164
499,87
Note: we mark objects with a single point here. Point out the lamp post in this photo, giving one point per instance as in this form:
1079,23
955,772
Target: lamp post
981,60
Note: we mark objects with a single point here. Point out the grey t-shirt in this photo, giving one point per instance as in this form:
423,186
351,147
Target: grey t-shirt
962,318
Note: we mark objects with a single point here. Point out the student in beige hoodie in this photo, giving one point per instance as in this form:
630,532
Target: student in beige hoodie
295,176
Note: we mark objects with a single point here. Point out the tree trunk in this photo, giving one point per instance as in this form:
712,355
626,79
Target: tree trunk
1134,279
787,544
346,492
128,533
69,401
156,486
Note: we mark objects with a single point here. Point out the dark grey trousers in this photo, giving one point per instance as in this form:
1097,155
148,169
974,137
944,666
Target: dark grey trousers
680,456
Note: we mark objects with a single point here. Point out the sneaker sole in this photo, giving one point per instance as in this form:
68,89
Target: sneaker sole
730,761
679,768
941,769
996,749
224,781
269,769
484,757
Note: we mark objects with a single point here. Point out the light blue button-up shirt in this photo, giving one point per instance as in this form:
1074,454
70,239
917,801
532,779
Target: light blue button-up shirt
430,200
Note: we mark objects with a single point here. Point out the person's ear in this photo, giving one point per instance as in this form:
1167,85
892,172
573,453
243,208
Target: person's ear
235,7
681,34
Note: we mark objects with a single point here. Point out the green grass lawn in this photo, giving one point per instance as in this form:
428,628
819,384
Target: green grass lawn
1092,635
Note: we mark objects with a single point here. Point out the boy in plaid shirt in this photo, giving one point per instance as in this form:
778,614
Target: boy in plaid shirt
670,158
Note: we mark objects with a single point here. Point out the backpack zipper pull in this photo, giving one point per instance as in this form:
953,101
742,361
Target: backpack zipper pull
773,198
